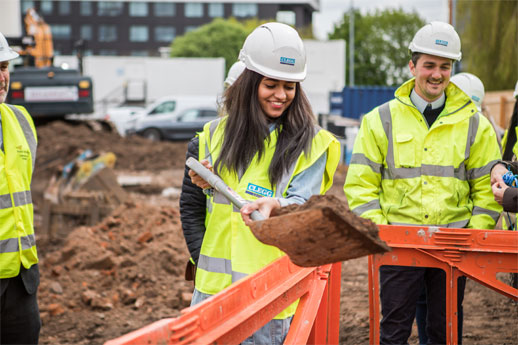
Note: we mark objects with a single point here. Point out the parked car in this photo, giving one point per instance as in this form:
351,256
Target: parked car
181,127
165,110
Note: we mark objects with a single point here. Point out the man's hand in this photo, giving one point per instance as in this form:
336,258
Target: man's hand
263,205
496,174
498,191
197,180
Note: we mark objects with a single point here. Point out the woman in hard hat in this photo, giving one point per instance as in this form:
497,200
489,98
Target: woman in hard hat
269,150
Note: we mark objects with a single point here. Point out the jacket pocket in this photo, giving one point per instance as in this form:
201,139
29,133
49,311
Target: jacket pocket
405,150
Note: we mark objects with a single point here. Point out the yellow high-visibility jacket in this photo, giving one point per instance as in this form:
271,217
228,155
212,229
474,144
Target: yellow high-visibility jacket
403,172
17,242
229,250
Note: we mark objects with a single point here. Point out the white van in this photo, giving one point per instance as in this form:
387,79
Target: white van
174,117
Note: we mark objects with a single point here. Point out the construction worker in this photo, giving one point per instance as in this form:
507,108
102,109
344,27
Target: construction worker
423,158
19,275
267,149
506,195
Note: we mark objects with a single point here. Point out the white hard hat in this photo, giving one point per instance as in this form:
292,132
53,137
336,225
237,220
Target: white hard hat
471,85
275,50
234,72
515,94
6,53
439,39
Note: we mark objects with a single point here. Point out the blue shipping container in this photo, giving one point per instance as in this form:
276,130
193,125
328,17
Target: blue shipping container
353,102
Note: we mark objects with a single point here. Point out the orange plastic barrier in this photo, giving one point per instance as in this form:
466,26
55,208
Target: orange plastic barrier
477,254
238,311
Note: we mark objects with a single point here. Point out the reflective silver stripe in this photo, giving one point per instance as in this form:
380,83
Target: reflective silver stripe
475,173
472,133
360,158
458,224
10,245
27,131
371,205
5,201
209,205
386,121
237,276
215,265
22,198
219,198
477,210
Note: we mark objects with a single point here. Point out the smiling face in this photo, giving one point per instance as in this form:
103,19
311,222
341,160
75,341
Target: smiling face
432,75
275,96
4,80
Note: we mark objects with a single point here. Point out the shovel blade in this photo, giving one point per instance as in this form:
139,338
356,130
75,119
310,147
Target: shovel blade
320,233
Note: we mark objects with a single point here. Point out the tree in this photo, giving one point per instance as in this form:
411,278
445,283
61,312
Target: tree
381,44
489,35
219,38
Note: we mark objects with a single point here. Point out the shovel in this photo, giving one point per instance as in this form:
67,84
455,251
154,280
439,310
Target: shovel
319,232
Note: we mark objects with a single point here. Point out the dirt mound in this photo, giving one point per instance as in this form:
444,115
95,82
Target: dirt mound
115,277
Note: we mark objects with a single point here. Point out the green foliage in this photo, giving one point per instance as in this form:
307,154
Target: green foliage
381,42
220,38
489,36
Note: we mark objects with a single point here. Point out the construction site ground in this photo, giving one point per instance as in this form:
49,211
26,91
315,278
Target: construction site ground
102,281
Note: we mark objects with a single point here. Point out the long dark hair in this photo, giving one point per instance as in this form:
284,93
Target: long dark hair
511,134
247,128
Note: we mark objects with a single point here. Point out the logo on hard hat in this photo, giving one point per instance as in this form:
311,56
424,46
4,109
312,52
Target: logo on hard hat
287,61
441,42
475,98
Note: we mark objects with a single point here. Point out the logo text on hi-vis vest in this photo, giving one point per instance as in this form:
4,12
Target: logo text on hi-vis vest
258,191
287,61
24,154
441,42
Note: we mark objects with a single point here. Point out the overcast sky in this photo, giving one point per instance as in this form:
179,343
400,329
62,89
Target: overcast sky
331,11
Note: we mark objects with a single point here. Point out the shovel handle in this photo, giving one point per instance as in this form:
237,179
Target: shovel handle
217,183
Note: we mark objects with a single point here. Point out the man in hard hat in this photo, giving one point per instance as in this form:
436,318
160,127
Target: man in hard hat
423,158
19,275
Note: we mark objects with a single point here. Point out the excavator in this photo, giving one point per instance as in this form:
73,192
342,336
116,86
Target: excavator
44,90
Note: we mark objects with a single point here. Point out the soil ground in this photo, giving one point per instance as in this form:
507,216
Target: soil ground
100,282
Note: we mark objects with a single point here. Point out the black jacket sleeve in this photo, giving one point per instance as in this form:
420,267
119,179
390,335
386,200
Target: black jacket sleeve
192,207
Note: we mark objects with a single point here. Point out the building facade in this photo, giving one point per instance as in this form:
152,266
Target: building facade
142,27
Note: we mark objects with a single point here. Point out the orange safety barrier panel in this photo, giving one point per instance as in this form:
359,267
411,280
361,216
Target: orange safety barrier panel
477,254
235,313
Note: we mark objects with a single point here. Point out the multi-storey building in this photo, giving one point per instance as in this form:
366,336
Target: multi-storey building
141,27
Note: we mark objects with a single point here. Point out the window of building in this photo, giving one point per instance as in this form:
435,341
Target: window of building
138,9
165,33
193,9
26,4
216,10
85,8
139,53
61,31
286,17
108,52
64,8
139,33
109,8
46,6
190,28
244,10
86,32
107,33
165,9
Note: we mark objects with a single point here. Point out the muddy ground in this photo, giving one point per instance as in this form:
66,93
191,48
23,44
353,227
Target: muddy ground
102,281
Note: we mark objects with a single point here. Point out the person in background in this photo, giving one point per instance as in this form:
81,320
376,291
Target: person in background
269,150
233,73
19,275
423,158
504,193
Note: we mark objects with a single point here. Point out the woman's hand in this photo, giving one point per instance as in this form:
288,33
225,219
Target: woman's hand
263,205
197,180
498,192
496,174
